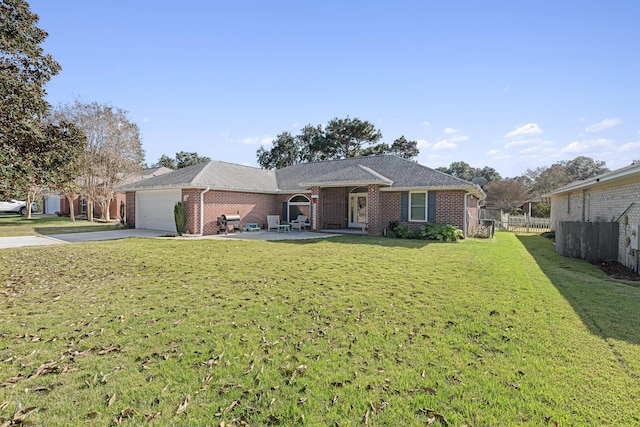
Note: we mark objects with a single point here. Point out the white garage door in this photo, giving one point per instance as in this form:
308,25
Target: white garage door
154,209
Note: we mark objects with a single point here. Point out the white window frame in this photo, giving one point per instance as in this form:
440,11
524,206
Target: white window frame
426,206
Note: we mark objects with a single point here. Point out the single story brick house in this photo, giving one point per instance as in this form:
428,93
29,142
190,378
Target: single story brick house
361,193
610,197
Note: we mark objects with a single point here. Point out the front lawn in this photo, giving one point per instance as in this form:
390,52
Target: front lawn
341,331
17,225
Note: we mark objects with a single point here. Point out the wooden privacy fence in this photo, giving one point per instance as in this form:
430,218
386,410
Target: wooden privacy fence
525,224
593,241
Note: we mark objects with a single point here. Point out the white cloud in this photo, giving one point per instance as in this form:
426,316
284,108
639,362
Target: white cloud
423,143
582,119
450,131
426,123
493,153
255,140
527,130
458,138
445,144
605,124
582,146
630,146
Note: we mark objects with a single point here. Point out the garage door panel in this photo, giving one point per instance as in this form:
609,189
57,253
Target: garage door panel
154,209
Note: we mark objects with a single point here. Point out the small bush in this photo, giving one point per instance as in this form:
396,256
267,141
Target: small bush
180,217
404,232
441,233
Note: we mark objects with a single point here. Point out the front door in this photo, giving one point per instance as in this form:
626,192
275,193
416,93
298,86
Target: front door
357,209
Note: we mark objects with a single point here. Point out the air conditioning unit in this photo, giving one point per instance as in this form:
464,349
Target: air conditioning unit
634,235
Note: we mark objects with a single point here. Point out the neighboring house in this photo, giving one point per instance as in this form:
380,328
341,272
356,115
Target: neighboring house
80,202
529,207
611,197
361,193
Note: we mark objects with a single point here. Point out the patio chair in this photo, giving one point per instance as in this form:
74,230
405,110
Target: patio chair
299,223
272,222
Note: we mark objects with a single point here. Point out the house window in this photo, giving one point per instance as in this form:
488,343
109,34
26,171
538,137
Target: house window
83,204
568,203
417,206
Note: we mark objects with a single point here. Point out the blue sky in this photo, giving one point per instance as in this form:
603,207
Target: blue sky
507,84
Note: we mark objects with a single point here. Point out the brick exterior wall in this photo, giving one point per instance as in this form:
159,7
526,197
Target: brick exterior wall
374,216
390,208
605,202
333,207
450,208
252,207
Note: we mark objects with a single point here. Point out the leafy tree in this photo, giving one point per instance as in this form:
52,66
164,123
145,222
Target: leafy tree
66,160
403,148
284,152
464,171
583,167
545,179
182,160
347,136
112,153
341,138
24,71
310,144
506,194
165,161
542,210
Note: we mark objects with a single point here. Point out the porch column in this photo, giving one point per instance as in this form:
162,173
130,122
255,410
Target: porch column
373,210
316,212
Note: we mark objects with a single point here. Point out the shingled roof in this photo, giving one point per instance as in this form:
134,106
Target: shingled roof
386,170
212,174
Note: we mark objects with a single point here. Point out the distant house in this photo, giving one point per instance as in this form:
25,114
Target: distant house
80,202
611,197
362,193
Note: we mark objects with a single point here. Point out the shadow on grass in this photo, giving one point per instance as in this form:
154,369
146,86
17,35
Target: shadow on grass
363,240
73,229
608,307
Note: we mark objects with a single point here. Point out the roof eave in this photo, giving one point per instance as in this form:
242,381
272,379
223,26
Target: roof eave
613,176
332,184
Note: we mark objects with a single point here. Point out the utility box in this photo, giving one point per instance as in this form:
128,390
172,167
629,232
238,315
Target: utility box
635,236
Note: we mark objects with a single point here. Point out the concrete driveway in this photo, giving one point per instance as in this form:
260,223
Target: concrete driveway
91,236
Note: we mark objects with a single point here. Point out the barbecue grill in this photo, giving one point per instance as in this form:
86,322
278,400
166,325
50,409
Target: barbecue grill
230,220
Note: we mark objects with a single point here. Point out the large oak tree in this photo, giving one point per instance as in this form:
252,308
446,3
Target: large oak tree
25,145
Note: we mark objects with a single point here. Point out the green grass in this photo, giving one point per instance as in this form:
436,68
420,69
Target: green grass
345,331
16,225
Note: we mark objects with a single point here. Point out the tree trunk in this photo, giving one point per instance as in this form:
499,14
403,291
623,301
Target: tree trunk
90,210
104,210
71,209
31,196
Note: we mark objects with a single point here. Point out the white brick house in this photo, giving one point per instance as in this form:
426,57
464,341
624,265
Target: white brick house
611,197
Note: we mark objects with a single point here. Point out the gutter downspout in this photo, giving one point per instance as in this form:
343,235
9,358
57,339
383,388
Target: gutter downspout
202,211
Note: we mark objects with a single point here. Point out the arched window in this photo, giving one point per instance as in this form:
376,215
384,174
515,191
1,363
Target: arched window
298,205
